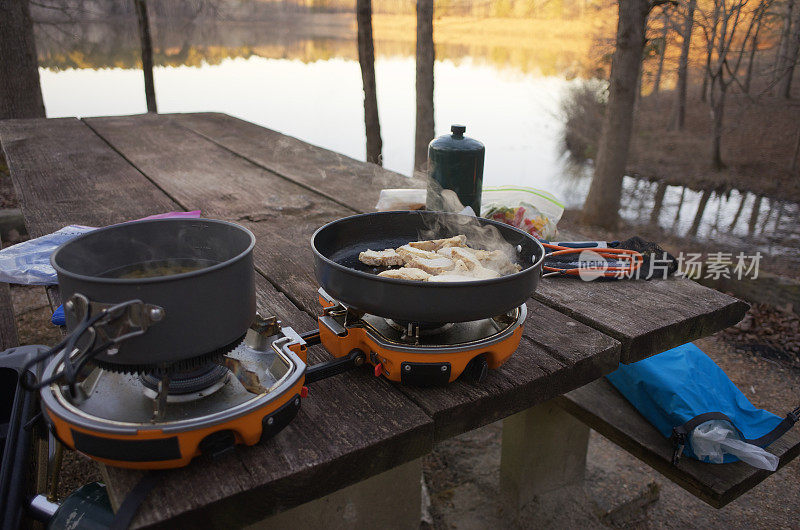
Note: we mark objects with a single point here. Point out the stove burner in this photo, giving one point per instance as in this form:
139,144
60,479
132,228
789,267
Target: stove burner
415,330
185,386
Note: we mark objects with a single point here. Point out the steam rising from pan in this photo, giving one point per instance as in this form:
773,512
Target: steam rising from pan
478,235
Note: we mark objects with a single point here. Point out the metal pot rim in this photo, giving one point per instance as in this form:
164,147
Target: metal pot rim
155,279
426,285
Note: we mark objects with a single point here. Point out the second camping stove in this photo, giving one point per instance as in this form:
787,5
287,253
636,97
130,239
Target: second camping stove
153,418
416,353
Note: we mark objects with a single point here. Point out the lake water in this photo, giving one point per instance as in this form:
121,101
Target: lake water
322,103
309,86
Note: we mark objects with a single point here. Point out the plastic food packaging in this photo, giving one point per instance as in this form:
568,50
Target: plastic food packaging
401,199
28,263
712,440
534,211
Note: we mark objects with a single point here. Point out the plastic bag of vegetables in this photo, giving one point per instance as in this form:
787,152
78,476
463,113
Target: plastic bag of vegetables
535,211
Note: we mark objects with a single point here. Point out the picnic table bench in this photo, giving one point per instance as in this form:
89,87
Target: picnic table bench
355,429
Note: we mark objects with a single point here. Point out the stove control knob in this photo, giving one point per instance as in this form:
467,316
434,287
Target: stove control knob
378,370
304,392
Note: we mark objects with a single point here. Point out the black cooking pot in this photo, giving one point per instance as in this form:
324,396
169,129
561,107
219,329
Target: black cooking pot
194,277
337,245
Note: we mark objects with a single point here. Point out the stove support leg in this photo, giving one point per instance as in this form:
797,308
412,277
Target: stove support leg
544,449
391,499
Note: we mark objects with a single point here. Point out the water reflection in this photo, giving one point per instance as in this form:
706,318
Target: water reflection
741,220
301,75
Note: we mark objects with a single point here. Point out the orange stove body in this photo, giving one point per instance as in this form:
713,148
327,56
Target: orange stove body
153,448
389,362
175,449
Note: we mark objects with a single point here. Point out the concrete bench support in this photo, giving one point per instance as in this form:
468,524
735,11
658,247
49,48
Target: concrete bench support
544,448
391,499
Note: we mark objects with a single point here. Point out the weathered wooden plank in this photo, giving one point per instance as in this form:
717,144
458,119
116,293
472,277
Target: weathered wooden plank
65,174
192,166
199,174
339,435
350,428
333,442
557,354
605,410
647,317
349,182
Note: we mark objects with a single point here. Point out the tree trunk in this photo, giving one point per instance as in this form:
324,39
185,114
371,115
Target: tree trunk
679,112
602,203
752,59
663,51
794,167
717,116
710,54
789,61
20,92
786,34
425,58
366,58
147,54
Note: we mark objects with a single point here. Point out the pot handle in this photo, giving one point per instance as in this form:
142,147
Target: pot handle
100,328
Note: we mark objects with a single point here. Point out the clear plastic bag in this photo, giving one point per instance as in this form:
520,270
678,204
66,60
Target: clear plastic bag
535,211
28,263
712,440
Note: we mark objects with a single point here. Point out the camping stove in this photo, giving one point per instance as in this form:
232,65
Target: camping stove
160,418
156,417
416,353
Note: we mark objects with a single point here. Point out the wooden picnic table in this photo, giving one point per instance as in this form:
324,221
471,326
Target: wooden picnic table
99,171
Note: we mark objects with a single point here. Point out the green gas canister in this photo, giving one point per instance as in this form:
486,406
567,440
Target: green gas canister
455,162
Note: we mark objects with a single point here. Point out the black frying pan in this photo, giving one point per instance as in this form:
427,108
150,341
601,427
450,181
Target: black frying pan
337,245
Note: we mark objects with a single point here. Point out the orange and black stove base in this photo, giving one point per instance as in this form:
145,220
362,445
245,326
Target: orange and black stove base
121,422
417,355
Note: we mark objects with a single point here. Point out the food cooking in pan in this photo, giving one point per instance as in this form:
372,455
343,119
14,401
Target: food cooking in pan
440,260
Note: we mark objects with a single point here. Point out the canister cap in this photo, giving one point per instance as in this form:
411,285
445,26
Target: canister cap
456,141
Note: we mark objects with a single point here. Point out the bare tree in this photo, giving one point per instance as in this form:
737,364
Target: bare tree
602,203
147,54
679,110
752,60
366,58
790,59
731,32
709,27
425,59
20,91
783,44
662,48
794,166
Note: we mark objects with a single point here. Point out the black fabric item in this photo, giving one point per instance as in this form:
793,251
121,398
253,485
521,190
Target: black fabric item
129,507
681,433
656,262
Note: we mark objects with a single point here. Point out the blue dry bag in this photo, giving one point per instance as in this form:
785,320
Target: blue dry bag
682,388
